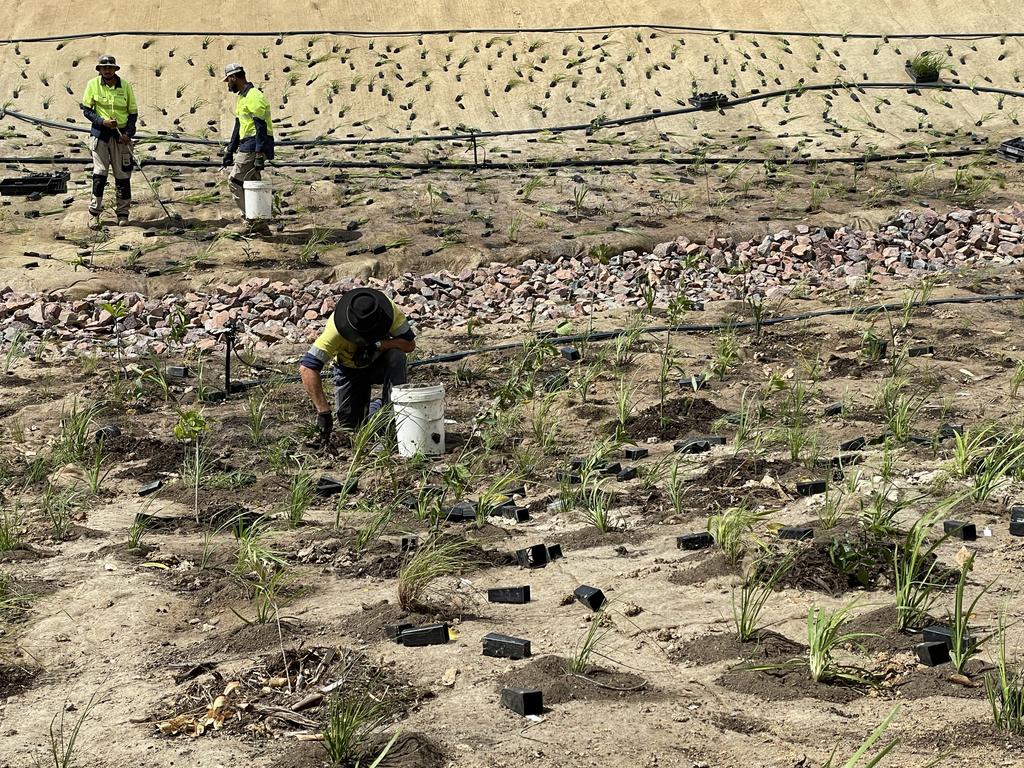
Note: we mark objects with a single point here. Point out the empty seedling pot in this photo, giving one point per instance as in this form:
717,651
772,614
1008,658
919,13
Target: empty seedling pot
505,646
796,532
1017,527
939,634
431,634
328,486
694,382
948,431
570,353
513,513
611,469
811,487
554,552
408,543
701,540
592,597
692,446
533,557
149,488
932,654
394,631
177,372
833,409
567,476
920,350
632,453
854,444
523,701
108,432
462,512
513,595
627,474
959,530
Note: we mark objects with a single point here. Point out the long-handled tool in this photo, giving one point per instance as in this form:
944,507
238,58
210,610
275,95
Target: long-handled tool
152,187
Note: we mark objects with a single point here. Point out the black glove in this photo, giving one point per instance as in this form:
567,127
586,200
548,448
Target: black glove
363,356
325,425
259,162
227,159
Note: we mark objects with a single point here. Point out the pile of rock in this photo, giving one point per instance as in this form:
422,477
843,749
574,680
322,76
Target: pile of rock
267,312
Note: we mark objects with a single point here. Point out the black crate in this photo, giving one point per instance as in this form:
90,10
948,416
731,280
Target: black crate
811,487
523,701
505,646
959,530
41,183
592,597
712,100
514,595
701,540
632,453
431,634
1012,150
533,557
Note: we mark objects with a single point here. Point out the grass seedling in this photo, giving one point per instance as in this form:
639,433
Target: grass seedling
964,646
730,528
825,635
753,594
94,473
579,663
74,442
256,406
1017,379
1005,689
437,558
137,529
1003,459
59,506
300,496
351,718
379,520
64,734
191,428
914,568
857,759
675,488
597,507
727,352
624,406
10,528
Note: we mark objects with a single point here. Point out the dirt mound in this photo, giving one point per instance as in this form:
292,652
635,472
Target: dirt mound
548,673
713,648
679,417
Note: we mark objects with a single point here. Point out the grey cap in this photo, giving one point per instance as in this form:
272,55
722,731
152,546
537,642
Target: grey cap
232,69
107,61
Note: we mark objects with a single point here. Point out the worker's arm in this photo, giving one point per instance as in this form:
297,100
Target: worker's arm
261,135
314,387
233,143
401,344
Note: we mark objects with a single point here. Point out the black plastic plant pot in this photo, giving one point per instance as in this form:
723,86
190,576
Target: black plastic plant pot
875,349
1017,513
592,597
570,353
556,383
149,488
932,654
177,372
565,476
408,543
627,474
517,490
328,486
523,701
959,530
929,78
701,540
411,500
714,439
838,462
513,595
796,533
855,444
156,522
692,446
1017,527
920,350
611,469
533,557
694,383
948,431
554,552
834,409
940,634
811,487
462,512
632,453
431,634
107,433
515,514
394,631
505,646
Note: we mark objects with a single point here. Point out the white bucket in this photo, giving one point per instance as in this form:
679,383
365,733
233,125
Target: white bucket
259,199
419,419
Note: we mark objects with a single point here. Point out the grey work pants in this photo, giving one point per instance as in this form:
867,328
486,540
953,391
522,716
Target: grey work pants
108,157
352,386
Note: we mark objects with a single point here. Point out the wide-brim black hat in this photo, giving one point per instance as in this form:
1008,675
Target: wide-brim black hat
365,312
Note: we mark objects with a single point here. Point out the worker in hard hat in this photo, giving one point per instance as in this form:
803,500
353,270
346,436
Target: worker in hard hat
109,104
252,140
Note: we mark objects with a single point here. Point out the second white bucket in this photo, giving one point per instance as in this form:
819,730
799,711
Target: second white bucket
259,199
419,419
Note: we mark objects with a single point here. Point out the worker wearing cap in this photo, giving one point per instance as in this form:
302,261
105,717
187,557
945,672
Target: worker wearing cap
253,136
367,338
109,104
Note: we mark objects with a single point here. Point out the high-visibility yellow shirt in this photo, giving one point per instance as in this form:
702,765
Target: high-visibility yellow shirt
252,104
111,102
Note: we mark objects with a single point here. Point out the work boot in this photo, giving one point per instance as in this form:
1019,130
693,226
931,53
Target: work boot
122,221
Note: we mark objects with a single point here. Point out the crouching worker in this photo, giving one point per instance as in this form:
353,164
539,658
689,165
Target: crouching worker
367,338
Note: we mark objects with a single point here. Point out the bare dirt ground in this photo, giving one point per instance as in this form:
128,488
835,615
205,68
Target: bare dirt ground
148,635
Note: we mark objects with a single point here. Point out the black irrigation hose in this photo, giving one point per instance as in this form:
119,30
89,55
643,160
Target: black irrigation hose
529,30
452,357
592,126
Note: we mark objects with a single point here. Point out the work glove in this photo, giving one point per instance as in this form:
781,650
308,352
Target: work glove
259,162
325,425
227,160
363,356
